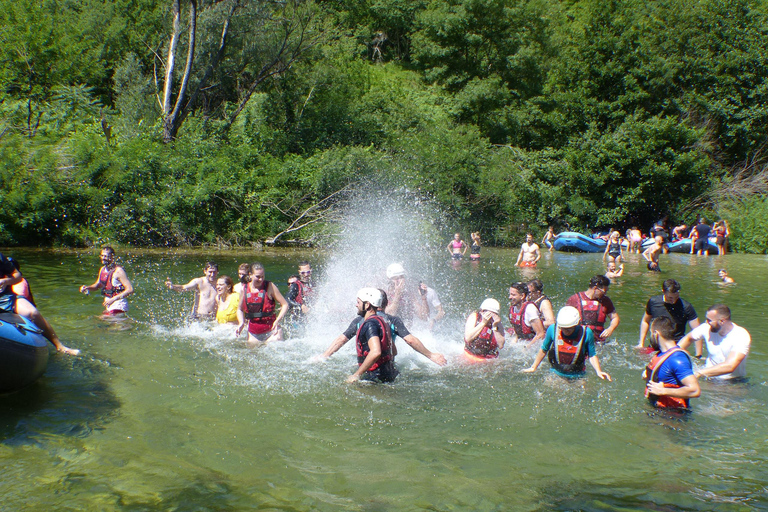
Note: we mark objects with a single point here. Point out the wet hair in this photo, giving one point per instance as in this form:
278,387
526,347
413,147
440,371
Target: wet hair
244,267
537,284
670,285
722,310
666,328
304,264
228,281
211,264
721,270
256,266
599,281
520,287
108,249
384,299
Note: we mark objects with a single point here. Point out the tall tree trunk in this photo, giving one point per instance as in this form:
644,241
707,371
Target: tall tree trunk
172,119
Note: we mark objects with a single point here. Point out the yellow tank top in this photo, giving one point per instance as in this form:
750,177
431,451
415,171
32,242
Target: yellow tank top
228,312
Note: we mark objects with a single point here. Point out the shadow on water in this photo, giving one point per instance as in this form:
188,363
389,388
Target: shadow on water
71,399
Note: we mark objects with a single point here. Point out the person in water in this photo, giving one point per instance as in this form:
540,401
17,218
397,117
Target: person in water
457,247
613,248
567,345
243,278
524,316
402,301
474,249
114,284
398,330
428,307
670,381
721,231
300,291
595,307
635,240
483,335
374,341
723,274
651,254
702,229
204,306
227,301
529,253
727,345
536,295
668,304
257,309
11,303
549,239
612,272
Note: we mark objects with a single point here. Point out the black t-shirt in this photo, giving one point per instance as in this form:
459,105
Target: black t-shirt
702,230
398,327
681,312
368,331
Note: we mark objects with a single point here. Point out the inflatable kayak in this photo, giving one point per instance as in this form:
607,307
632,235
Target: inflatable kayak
23,352
570,241
684,245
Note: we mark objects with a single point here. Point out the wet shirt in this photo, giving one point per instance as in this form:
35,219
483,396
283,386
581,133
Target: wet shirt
589,340
398,327
681,312
702,230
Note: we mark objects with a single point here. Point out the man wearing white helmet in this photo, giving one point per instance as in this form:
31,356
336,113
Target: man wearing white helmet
401,297
483,336
375,346
567,345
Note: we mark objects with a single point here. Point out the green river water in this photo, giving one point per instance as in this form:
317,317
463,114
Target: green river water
161,414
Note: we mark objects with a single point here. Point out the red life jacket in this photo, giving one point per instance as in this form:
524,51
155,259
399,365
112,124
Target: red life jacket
484,345
564,356
259,306
305,291
652,374
592,313
387,352
105,283
524,332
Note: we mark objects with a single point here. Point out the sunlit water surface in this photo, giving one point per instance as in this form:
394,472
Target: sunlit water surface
159,413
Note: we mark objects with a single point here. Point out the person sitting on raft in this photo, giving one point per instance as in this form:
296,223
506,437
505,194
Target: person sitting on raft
567,345
374,341
680,232
474,249
536,294
529,253
595,307
483,336
22,288
257,307
524,316
457,247
669,377
114,284
228,301
11,303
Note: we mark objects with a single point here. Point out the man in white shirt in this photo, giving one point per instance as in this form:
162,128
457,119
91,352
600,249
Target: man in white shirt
727,344
429,308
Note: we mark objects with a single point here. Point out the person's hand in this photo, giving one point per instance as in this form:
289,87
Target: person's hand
239,329
352,378
168,283
83,289
304,309
605,334
318,358
656,388
438,359
604,376
108,301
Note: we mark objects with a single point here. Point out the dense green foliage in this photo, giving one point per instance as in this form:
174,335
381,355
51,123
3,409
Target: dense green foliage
508,113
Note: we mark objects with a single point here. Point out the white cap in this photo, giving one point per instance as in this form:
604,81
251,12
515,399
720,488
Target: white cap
395,270
491,305
370,295
568,317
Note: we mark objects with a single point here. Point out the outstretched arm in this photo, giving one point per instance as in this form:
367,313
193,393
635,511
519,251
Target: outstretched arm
192,285
536,362
595,362
416,344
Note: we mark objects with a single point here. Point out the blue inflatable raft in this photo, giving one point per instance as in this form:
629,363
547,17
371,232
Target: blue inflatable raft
684,245
23,352
570,241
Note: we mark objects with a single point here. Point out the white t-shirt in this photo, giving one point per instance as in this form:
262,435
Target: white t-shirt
531,313
433,302
719,347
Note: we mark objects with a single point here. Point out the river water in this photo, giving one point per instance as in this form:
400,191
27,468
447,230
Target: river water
160,413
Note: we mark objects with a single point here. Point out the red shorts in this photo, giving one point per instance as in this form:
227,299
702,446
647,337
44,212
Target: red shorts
113,312
528,264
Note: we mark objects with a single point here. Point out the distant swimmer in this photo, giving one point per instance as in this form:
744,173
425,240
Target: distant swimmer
204,306
474,249
227,301
529,253
428,307
612,272
374,341
257,309
483,335
567,345
457,247
243,278
651,254
114,284
669,377
300,291
524,317
668,304
536,294
402,300
613,248
398,330
724,276
728,345
11,303
549,239
595,307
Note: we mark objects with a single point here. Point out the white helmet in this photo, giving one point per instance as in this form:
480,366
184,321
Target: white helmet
370,295
568,317
491,305
395,270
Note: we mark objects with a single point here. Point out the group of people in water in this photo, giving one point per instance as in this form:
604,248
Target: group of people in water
568,339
